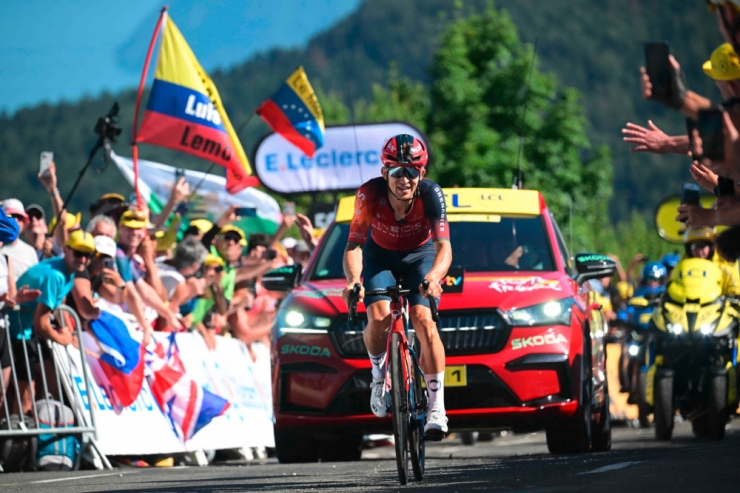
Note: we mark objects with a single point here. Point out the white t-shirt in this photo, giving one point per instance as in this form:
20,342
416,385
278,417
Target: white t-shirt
3,278
170,277
22,255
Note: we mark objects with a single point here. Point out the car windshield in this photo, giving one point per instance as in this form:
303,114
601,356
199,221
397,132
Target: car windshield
506,244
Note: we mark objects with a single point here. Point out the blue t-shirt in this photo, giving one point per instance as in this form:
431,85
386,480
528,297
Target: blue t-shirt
49,276
129,269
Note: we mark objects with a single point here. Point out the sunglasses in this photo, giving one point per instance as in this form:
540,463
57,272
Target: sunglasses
401,171
35,214
232,237
79,254
219,269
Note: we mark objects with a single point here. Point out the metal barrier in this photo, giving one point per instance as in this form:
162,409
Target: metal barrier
64,387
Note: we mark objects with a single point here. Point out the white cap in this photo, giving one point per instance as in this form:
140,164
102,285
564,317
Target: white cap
14,206
289,242
105,245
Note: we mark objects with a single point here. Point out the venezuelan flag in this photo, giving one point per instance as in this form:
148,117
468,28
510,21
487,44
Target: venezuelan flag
185,112
294,112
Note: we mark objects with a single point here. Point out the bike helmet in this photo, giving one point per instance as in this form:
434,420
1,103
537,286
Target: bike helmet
404,150
670,260
700,233
654,271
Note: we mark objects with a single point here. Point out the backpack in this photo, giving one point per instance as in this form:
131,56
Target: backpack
56,452
18,453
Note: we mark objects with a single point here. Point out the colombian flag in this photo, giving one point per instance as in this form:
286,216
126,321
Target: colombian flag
185,112
294,112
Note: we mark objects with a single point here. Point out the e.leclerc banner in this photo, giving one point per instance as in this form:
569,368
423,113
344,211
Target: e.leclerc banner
349,157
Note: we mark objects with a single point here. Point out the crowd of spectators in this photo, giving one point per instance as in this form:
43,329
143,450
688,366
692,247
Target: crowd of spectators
143,267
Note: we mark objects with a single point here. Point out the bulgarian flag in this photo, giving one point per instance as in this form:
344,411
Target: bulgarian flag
211,200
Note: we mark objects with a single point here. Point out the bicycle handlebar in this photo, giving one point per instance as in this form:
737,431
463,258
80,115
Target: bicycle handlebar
432,302
354,299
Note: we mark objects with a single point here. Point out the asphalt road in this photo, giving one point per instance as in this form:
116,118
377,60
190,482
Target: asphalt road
511,463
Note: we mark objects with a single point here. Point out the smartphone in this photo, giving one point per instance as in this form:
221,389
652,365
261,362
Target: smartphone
709,125
690,194
246,212
725,187
289,209
658,68
269,254
179,173
690,127
45,162
109,263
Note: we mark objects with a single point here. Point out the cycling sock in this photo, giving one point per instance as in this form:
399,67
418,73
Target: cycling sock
436,389
378,362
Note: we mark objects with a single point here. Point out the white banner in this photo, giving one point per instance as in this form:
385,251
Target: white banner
142,428
349,157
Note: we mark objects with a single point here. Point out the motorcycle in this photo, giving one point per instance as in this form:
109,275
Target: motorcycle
632,369
692,353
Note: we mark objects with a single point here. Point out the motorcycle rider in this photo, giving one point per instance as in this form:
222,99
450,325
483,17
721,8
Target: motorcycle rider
699,243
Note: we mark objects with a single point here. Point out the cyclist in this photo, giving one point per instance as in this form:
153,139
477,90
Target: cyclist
409,239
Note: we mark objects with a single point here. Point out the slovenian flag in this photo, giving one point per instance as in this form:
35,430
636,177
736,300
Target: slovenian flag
294,112
188,405
185,112
122,359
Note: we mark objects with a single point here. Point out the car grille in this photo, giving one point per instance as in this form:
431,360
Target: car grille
461,334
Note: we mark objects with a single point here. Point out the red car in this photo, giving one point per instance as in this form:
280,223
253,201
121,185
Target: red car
523,336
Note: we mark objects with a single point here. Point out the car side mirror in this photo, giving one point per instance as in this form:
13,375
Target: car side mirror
594,266
282,279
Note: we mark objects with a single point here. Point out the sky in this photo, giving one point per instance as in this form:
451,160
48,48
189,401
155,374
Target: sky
63,50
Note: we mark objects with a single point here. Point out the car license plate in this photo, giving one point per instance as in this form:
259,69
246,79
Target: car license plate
456,376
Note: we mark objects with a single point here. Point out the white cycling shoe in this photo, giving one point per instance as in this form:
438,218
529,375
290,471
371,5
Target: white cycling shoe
377,398
436,427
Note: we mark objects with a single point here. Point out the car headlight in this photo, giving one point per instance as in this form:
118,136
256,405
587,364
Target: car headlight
297,322
553,312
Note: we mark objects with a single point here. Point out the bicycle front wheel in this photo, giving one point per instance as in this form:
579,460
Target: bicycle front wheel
400,409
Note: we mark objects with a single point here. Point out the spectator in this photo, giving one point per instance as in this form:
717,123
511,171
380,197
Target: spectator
301,253
36,234
215,316
20,253
135,263
198,228
49,181
109,205
181,275
102,225
121,297
54,279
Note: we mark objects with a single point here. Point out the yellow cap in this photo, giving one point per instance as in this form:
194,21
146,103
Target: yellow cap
724,64
69,221
82,241
111,196
698,234
231,227
212,260
133,219
203,225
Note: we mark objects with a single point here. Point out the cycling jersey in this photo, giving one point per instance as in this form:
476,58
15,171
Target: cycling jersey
426,220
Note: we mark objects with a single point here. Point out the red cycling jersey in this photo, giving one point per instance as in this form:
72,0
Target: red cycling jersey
426,220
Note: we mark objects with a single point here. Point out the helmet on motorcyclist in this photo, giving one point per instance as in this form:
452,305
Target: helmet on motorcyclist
654,272
699,242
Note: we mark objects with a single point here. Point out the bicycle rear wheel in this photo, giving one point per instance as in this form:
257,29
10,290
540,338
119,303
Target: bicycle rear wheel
400,409
416,426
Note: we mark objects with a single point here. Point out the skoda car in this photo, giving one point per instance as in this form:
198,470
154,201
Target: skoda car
523,336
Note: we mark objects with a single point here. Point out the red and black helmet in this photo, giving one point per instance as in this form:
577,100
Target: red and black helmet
404,150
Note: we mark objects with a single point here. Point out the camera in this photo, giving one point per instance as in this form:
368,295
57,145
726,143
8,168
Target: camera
107,129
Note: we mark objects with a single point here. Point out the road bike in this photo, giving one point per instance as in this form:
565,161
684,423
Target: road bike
409,401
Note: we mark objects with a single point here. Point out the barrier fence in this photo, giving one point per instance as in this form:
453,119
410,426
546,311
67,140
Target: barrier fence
73,376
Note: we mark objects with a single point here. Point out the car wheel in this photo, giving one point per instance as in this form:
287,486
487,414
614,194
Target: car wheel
468,437
602,432
643,408
573,436
293,447
717,408
348,448
699,426
664,412
485,436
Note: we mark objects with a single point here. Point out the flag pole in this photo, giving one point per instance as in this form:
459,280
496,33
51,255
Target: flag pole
134,147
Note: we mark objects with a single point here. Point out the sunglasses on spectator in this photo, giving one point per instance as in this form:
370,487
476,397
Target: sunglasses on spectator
700,245
232,237
218,269
18,218
79,254
35,214
401,171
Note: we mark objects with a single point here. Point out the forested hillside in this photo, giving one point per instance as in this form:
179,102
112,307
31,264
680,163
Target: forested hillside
595,47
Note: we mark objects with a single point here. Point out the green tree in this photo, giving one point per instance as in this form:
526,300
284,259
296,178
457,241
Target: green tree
481,83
